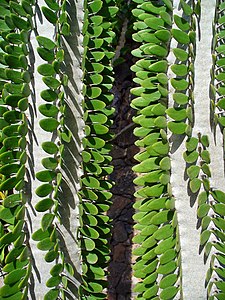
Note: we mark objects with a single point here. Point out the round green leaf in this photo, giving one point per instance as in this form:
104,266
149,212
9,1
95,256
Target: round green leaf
49,124
46,221
49,95
52,294
46,175
48,110
169,292
44,204
44,190
180,36
50,147
46,70
177,127
51,82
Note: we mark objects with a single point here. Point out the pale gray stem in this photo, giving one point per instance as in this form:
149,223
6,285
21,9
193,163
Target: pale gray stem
193,267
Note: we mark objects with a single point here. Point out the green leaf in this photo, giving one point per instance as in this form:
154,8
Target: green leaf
23,104
180,36
181,23
53,281
44,204
165,164
151,292
204,237
89,232
91,258
91,182
7,215
56,270
50,148
46,70
46,221
49,163
14,276
45,244
179,70
203,210
49,124
156,50
160,217
90,208
94,67
13,254
50,15
177,114
195,185
165,245
51,82
19,22
46,175
40,235
89,244
169,292
179,84
205,222
52,4
162,78
48,110
52,294
218,195
221,103
93,92
193,172
9,169
45,42
154,23
45,54
167,256
93,287
94,104
94,142
186,8
44,190
8,184
12,200
191,144
205,155
98,129
169,4
219,208
167,268
206,170
177,127
161,148
153,191
163,35
159,67
95,6
149,164
163,233
9,290
49,95
166,17
150,278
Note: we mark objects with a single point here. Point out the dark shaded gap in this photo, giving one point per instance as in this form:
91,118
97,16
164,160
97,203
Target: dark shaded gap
123,150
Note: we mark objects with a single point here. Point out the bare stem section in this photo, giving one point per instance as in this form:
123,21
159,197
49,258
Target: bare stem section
185,189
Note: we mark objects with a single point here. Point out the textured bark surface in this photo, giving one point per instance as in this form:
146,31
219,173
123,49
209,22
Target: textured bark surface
121,211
